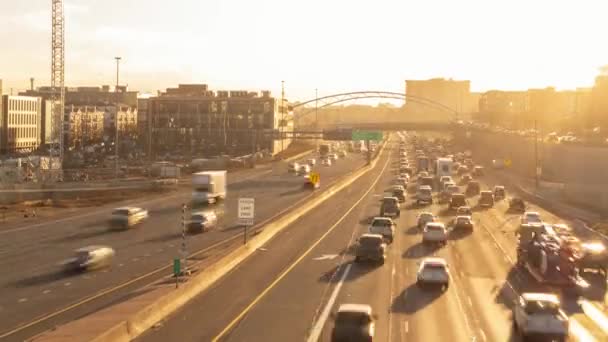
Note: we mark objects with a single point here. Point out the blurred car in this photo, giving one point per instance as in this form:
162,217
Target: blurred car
539,315
424,195
457,200
90,258
304,169
465,179
333,156
126,217
463,222
353,322
462,170
342,154
390,207
486,199
326,162
202,221
531,218
517,204
402,180
399,192
309,184
293,167
435,232
371,247
464,211
312,162
424,218
433,271
499,192
383,226
478,171
473,188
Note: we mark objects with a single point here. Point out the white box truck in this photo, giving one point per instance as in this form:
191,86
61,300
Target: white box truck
208,187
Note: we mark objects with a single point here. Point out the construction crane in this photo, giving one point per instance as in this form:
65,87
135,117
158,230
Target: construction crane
57,75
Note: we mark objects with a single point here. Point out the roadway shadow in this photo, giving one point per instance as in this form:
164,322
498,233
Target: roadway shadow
292,192
367,220
459,233
446,212
87,235
165,237
357,270
598,286
420,250
413,230
45,278
413,299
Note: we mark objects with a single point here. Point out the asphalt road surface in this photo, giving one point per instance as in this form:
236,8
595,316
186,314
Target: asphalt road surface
287,290
34,286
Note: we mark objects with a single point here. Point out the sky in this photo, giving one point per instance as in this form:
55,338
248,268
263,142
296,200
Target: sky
329,45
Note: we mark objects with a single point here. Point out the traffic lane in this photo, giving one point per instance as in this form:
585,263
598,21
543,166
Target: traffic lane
139,251
298,301
214,309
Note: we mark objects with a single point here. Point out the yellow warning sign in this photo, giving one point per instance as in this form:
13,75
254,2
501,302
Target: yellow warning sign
314,177
508,162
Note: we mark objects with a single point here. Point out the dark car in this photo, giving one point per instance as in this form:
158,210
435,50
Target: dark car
499,192
430,181
486,199
400,194
463,222
473,188
517,204
478,171
390,207
371,247
353,322
465,179
457,201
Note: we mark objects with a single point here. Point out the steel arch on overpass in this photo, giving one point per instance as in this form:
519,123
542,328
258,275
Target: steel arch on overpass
330,100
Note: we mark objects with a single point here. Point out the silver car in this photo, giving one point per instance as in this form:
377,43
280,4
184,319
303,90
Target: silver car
90,258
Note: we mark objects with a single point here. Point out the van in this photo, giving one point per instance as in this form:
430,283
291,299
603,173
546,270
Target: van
424,195
126,217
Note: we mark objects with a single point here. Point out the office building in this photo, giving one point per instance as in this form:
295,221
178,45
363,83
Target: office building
20,124
439,97
196,120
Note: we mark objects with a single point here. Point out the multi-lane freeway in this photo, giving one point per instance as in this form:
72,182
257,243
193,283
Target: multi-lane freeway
288,290
37,295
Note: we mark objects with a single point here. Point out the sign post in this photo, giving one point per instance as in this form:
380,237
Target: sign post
246,214
183,249
177,270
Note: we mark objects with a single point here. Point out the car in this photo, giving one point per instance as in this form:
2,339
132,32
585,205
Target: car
293,167
202,221
539,315
531,218
399,192
464,211
353,322
457,200
517,204
450,189
401,181
90,258
486,199
303,169
333,156
312,162
422,174
370,247
428,181
424,195
390,207
499,192
463,222
435,232
326,162
462,170
465,179
126,217
309,184
383,226
478,171
342,154
433,271
424,218
473,188
445,179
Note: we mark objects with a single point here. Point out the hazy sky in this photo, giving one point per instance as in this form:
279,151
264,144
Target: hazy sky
333,45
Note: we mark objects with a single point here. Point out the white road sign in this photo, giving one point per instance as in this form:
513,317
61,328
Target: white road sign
246,210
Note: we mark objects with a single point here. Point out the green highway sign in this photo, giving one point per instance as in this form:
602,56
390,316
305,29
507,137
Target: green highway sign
367,135
177,267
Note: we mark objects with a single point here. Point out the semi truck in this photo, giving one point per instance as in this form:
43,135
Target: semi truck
208,187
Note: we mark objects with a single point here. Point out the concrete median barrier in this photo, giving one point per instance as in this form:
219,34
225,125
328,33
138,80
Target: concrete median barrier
127,320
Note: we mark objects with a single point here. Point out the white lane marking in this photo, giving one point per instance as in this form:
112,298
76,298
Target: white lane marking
318,327
595,314
121,265
22,300
160,250
67,284
146,255
483,334
326,257
406,326
46,291
391,296
578,331
470,301
461,307
134,259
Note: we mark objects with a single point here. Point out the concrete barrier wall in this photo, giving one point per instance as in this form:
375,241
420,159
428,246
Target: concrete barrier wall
134,318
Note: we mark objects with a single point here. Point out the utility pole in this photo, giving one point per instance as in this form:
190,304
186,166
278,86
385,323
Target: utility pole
282,118
536,171
116,115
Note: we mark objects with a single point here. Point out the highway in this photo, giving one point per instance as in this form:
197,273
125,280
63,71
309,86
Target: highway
36,295
288,290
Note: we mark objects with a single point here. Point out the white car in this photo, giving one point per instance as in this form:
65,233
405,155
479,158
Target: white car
540,315
304,169
333,156
424,218
90,258
326,162
435,232
433,271
312,162
127,217
383,226
531,218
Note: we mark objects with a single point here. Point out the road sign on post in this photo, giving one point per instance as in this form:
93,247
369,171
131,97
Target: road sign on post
177,269
314,177
246,213
367,135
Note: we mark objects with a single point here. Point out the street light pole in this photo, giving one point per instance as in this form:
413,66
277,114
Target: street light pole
116,116
317,115
536,173
282,118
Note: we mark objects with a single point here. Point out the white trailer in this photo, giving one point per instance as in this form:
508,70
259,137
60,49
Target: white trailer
208,187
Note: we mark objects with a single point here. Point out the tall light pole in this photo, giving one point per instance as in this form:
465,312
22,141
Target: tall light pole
317,115
116,114
282,117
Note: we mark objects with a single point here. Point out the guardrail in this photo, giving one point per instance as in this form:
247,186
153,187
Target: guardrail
127,320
